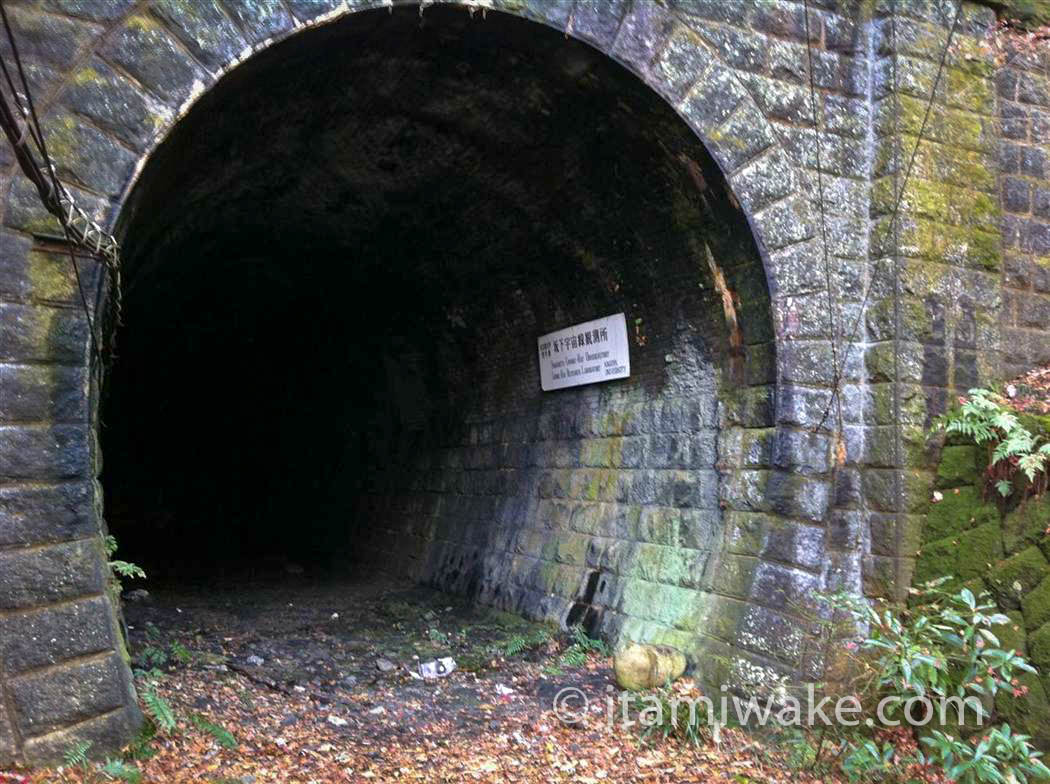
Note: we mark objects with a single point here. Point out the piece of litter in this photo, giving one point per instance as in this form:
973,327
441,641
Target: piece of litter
256,661
437,668
337,721
376,711
334,616
502,690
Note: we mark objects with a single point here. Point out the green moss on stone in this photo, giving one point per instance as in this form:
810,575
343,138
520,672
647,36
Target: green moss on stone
1017,576
1027,525
1012,635
1030,713
1030,13
960,510
964,556
958,466
1039,650
1036,605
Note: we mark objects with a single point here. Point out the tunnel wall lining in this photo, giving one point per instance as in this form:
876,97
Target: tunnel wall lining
113,78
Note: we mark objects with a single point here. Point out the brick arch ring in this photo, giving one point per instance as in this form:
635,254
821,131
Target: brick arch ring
123,79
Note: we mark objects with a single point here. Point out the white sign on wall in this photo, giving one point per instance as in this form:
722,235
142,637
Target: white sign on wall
585,353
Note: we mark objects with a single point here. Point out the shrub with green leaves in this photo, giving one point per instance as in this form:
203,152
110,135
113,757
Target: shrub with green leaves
942,647
672,717
984,417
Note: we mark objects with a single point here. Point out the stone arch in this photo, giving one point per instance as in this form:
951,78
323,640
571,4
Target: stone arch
108,109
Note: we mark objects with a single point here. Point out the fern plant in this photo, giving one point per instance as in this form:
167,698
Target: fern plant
984,418
76,755
582,645
223,736
520,643
158,708
118,570
118,770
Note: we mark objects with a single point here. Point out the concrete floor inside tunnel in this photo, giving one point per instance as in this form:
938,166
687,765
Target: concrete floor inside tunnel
338,265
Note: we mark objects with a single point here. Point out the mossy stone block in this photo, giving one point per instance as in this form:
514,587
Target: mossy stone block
1028,713
1012,635
958,466
1037,424
1036,605
1039,650
959,510
964,556
1016,577
1027,524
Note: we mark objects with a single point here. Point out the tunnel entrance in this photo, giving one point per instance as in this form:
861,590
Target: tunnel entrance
338,264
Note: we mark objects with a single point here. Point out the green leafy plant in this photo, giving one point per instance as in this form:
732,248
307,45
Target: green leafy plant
223,736
1000,755
943,646
112,769
157,707
76,755
868,760
582,645
1012,449
181,653
118,770
588,644
152,656
118,570
520,643
674,717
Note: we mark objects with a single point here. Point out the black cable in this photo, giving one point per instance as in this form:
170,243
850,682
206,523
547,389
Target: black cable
832,325
900,194
55,186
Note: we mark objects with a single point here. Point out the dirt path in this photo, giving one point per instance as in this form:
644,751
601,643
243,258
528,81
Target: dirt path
298,680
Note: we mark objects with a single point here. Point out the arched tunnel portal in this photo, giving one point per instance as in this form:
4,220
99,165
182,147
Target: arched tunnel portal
337,267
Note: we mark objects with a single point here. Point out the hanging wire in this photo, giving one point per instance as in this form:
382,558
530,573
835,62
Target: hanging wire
832,323
77,227
895,214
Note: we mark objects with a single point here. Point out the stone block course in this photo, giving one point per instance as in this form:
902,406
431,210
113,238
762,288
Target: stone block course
673,496
34,639
49,574
50,699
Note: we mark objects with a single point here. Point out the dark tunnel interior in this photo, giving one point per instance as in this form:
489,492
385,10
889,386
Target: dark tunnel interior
344,253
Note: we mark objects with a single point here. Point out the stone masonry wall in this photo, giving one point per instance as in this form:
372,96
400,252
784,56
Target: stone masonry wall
819,502
597,505
1023,88
937,267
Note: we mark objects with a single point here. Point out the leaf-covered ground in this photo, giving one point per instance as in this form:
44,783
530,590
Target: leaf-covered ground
295,681
1030,393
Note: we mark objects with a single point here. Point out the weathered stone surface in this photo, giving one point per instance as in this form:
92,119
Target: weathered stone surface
148,52
39,333
39,638
110,730
629,488
54,513
51,699
204,29
45,452
7,740
260,19
50,574
95,10
115,104
36,393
